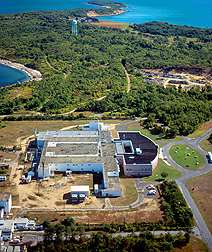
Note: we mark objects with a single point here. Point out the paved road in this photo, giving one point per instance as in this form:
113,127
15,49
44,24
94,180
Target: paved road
188,174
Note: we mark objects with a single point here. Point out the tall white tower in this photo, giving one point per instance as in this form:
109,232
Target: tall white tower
74,27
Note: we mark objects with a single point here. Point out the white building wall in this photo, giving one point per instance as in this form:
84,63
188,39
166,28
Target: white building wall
137,170
86,193
155,162
6,204
44,172
63,167
82,167
110,193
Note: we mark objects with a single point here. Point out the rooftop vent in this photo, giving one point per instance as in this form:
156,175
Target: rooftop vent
138,151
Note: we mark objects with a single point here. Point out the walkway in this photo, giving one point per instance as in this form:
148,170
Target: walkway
128,80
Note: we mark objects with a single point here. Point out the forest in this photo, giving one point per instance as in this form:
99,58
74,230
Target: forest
68,235
63,237
163,28
80,70
174,206
146,242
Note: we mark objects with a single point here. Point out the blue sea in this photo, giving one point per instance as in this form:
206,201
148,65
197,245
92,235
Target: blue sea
184,12
9,75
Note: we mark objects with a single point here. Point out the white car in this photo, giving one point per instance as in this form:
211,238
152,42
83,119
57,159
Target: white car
150,187
152,192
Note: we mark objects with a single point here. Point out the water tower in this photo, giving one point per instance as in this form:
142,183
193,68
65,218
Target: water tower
74,27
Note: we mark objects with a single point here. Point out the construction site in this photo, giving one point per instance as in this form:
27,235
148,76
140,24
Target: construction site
82,170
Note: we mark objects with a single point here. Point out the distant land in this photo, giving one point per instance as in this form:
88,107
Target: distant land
191,12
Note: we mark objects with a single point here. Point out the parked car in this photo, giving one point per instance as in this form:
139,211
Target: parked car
151,192
39,227
150,187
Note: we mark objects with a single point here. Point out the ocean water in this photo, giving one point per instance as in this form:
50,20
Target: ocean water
184,12
9,75
18,6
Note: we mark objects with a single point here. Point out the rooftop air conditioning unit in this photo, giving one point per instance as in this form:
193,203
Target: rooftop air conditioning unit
138,151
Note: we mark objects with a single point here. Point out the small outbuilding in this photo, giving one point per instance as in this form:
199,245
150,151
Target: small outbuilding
79,193
6,202
81,189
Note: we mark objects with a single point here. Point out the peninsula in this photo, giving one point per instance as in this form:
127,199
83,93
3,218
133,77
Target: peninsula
112,8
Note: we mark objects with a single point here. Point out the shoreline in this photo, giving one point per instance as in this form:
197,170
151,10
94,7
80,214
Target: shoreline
93,13
34,75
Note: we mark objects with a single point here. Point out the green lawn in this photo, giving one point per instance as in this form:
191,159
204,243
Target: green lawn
186,156
129,193
163,167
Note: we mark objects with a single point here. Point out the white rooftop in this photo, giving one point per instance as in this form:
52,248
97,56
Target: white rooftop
44,135
80,188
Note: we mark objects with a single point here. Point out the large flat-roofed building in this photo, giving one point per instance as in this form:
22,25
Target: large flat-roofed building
93,150
137,154
88,151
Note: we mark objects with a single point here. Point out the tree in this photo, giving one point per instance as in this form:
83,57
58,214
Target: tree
164,175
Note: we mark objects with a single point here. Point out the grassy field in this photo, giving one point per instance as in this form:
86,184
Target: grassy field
206,145
186,156
202,128
163,167
21,129
201,191
15,130
195,245
129,193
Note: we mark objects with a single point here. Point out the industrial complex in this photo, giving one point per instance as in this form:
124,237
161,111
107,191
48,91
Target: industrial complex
93,150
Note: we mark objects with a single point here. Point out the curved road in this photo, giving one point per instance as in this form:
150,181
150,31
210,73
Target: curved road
188,174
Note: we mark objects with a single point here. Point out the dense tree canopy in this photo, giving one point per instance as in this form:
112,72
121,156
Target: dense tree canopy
79,70
61,237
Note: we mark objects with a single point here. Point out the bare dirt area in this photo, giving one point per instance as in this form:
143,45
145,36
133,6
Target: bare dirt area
148,212
109,24
6,156
201,191
185,78
54,193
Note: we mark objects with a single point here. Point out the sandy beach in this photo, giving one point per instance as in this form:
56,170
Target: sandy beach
93,13
33,74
